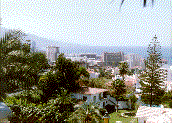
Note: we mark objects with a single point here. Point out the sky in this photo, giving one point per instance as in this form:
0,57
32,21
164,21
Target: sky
91,22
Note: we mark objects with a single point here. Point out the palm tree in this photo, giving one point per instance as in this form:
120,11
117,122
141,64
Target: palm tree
123,69
86,114
144,3
119,89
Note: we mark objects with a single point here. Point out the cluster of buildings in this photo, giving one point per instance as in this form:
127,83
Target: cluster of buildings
104,60
110,61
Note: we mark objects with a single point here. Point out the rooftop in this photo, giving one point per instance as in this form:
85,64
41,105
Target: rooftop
90,91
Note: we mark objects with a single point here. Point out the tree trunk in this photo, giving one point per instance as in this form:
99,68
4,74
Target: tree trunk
151,98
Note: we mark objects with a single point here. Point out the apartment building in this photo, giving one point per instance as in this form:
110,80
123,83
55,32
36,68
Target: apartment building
88,55
112,59
52,53
134,61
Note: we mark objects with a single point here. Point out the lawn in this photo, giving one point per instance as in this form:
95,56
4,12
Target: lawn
116,117
107,80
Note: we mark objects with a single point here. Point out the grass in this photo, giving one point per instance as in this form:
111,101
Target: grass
107,80
116,117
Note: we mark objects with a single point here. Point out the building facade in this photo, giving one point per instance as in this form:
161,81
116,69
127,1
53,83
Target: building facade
88,55
134,60
112,59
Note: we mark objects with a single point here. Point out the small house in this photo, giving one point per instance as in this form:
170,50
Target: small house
99,96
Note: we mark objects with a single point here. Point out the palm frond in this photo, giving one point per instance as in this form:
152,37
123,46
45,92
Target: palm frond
144,3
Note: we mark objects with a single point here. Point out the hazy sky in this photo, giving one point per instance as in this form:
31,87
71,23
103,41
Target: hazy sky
91,22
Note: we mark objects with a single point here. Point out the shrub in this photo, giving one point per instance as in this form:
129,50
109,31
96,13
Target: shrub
55,110
97,83
167,96
133,99
170,104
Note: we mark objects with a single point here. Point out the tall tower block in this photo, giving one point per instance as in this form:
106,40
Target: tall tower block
52,53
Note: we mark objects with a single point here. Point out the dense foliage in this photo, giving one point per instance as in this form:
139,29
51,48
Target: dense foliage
19,67
46,83
55,110
170,104
119,89
69,73
97,83
123,69
87,113
50,99
133,100
167,96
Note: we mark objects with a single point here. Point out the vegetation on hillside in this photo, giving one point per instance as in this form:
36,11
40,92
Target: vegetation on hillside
19,67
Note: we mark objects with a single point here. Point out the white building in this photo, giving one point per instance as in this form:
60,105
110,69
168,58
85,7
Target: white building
88,55
168,75
100,96
110,59
76,58
52,53
134,60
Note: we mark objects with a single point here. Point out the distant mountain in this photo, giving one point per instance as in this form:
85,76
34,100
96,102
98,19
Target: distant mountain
42,43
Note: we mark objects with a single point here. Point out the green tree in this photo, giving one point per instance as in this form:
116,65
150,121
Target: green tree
8,43
55,110
167,96
31,65
69,73
19,66
119,89
86,113
102,72
133,100
97,83
46,83
123,69
151,79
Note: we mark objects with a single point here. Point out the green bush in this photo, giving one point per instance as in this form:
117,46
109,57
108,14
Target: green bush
55,110
133,99
170,104
97,83
167,96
